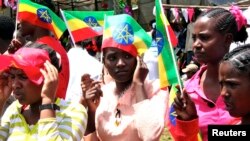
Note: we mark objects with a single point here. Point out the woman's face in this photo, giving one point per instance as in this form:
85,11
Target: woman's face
24,90
120,64
235,88
209,45
25,28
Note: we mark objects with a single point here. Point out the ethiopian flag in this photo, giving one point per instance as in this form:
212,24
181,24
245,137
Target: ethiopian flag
168,71
41,16
171,115
122,31
85,24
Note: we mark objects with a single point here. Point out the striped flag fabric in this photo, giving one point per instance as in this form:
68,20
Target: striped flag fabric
168,71
123,31
41,16
85,24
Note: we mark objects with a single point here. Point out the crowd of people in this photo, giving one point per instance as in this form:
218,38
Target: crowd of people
107,88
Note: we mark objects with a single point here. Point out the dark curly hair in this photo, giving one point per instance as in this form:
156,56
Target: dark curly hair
239,58
52,53
225,23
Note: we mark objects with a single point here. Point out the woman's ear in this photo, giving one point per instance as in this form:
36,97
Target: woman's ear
229,39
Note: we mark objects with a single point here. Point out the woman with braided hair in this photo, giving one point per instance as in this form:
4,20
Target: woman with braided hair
234,74
201,104
234,71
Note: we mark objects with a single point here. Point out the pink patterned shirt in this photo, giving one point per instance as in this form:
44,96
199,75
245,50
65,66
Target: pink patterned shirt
143,121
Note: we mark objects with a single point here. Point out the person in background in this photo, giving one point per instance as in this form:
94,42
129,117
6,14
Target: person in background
93,46
80,62
214,31
7,28
189,40
150,57
189,71
179,26
17,42
117,109
37,114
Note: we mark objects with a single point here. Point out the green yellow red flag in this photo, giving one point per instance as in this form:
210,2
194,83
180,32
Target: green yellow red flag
122,31
168,71
41,16
85,24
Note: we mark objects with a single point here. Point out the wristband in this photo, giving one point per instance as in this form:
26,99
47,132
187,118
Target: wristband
49,106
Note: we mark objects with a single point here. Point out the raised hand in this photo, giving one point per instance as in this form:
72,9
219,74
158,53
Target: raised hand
14,46
140,74
91,92
184,106
141,71
50,74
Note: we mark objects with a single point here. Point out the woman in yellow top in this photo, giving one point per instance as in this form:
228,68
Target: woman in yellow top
37,114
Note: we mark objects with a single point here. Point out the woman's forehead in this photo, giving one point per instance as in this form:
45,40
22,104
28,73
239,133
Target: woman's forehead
112,50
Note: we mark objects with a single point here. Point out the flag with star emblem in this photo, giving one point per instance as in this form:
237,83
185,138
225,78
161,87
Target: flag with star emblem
171,115
168,71
41,16
167,66
85,24
122,31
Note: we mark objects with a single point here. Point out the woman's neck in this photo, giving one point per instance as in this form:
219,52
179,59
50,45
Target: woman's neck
210,83
212,71
122,86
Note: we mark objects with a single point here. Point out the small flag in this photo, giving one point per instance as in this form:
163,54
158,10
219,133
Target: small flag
168,71
169,75
41,16
122,31
85,24
171,114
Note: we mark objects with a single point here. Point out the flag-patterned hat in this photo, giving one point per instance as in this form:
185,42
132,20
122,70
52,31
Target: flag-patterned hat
123,32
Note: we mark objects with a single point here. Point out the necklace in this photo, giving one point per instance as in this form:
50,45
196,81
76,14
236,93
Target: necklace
118,111
118,117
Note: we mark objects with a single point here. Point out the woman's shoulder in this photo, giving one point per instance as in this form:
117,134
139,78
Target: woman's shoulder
153,87
195,79
15,106
12,110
